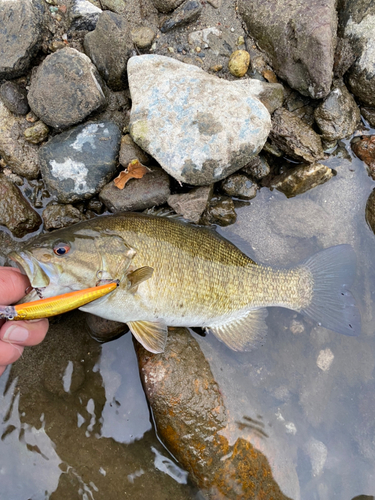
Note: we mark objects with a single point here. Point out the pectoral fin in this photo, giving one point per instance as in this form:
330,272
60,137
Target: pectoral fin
151,334
243,334
138,276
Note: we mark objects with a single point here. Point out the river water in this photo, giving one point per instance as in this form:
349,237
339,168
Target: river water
74,421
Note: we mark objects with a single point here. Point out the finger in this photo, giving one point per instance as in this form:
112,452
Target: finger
9,353
24,333
12,285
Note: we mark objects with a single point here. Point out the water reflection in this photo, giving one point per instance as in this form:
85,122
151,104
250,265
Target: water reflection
75,423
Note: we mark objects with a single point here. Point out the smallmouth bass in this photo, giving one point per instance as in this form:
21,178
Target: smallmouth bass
175,274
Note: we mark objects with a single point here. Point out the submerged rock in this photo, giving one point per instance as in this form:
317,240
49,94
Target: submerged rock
290,134
17,152
103,330
364,148
65,89
15,212
20,36
338,115
191,205
299,38
300,179
220,210
109,47
56,216
191,419
239,186
149,191
186,13
76,164
14,97
195,137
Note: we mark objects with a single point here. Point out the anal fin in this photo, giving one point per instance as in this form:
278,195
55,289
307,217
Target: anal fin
243,334
151,334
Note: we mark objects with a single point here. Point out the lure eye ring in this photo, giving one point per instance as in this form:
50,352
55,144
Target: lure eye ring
61,248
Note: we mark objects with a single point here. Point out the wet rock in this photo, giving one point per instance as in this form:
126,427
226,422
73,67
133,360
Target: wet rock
338,115
300,179
300,105
15,212
65,89
298,38
56,216
239,186
369,115
83,15
257,168
14,97
109,47
239,63
102,329
143,37
166,6
96,206
220,211
290,134
18,154
186,13
138,194
195,137
130,151
76,164
36,134
359,30
364,148
191,205
192,419
16,52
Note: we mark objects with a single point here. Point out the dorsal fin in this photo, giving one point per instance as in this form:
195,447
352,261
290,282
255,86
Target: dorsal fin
243,334
151,334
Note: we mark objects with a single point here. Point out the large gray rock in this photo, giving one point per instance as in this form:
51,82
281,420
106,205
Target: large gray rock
359,30
198,127
149,191
20,36
76,164
20,155
15,212
299,37
65,89
109,46
338,115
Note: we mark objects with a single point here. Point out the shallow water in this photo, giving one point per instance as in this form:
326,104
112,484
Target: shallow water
74,419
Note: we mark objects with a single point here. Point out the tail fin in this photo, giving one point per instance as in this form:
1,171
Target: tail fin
332,305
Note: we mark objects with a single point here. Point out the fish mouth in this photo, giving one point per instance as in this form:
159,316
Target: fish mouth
40,274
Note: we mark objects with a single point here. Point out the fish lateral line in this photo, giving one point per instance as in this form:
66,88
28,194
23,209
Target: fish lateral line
59,304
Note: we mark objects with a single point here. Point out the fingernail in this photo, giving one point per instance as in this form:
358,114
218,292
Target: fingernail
16,333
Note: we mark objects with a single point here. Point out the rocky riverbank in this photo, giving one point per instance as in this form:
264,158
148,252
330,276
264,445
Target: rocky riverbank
220,101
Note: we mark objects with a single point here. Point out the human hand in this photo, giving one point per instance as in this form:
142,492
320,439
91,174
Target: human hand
14,335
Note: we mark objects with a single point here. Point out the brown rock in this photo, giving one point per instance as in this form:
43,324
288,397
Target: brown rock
104,330
15,212
364,148
191,205
129,151
300,179
290,134
220,211
57,216
190,416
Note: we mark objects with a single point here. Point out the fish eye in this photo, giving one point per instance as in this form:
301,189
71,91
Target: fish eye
61,248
